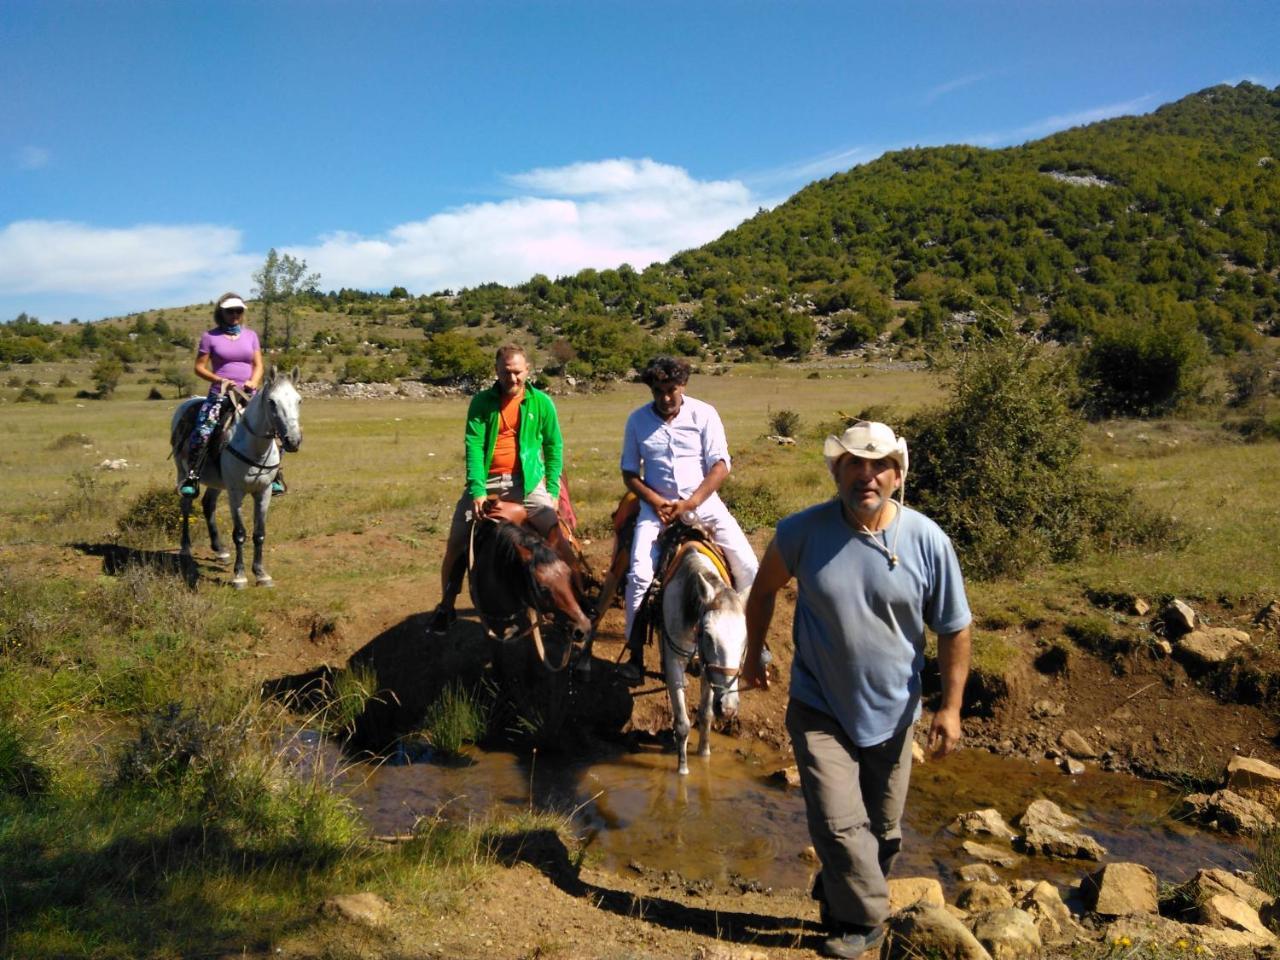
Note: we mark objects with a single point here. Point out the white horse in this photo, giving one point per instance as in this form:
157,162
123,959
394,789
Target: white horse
248,464
704,634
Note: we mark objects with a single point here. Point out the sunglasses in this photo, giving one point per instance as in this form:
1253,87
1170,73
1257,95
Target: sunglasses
233,311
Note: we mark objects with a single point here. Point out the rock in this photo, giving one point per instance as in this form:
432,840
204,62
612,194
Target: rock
1196,805
1071,766
905,891
1046,813
1122,890
1178,618
1254,779
1008,934
1139,607
1207,883
1053,842
1053,919
924,931
980,897
787,776
1210,646
1165,647
1148,929
1239,814
1047,708
1268,618
975,872
977,823
1226,911
980,851
367,908
1077,746
722,951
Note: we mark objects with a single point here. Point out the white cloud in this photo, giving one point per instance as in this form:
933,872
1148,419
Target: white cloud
33,158
950,86
1062,121
58,256
598,215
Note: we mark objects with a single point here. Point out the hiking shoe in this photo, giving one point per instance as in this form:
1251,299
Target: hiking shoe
442,618
632,672
278,489
853,942
190,487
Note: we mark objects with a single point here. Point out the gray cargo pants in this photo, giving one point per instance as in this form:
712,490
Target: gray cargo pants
853,799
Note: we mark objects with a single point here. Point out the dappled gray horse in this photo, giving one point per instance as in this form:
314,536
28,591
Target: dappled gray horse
247,465
704,633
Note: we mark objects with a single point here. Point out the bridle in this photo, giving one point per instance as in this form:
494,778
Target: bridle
697,657
273,433
511,625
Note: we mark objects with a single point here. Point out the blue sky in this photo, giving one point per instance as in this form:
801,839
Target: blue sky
152,152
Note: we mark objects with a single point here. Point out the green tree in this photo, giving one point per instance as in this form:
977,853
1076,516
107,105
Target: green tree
456,356
277,285
106,375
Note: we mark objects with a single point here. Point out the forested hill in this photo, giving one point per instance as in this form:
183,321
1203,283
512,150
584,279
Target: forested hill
1168,222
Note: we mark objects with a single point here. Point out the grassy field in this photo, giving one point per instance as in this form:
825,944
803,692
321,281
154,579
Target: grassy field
108,850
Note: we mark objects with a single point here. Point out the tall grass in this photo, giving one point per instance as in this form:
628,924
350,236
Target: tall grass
456,717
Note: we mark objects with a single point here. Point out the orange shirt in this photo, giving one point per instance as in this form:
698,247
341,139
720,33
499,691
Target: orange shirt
505,449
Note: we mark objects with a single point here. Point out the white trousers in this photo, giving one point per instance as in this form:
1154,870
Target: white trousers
719,523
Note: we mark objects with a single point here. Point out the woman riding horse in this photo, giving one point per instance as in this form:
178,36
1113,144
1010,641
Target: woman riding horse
228,356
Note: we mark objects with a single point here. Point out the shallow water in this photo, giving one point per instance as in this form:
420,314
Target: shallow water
727,819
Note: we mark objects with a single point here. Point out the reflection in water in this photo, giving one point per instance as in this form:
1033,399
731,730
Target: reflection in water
726,819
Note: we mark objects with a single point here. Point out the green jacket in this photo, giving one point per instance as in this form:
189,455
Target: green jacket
541,449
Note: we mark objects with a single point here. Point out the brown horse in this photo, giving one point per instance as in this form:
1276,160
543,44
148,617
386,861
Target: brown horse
520,587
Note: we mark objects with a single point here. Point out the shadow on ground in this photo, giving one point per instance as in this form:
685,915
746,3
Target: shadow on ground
544,850
531,704
116,558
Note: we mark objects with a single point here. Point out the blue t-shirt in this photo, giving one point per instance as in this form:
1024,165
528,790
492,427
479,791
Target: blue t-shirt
859,622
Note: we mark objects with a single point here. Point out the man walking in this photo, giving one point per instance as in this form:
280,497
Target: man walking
872,574
513,452
674,459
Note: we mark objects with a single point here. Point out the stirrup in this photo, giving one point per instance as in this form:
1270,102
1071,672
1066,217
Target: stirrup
189,487
278,488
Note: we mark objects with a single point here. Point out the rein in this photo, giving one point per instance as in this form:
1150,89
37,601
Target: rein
242,419
537,617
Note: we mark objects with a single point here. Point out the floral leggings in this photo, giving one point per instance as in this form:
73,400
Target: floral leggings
206,422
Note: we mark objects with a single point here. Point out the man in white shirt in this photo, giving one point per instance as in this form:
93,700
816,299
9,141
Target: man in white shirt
674,458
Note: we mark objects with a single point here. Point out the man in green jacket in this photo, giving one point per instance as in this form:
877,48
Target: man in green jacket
513,452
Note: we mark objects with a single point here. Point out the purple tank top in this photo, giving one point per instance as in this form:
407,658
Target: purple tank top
230,359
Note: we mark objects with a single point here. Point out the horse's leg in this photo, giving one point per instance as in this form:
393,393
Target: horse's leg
679,714
261,502
234,498
209,504
704,716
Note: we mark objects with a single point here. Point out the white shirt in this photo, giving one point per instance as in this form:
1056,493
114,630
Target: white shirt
676,455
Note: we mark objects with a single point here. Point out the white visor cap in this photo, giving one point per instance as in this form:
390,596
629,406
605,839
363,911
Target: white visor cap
231,303
867,439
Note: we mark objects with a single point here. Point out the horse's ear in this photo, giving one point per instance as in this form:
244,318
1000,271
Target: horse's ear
295,374
272,373
706,589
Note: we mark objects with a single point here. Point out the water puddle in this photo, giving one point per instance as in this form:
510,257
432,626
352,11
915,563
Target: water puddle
727,819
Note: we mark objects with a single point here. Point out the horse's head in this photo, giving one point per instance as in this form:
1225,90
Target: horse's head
708,618
281,403
548,579
724,641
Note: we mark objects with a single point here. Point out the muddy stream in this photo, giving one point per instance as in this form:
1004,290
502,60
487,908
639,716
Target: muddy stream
729,821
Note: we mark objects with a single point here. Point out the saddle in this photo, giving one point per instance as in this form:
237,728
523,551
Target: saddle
560,539
180,441
675,540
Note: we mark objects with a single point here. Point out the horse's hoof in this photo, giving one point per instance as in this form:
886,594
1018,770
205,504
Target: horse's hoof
683,771
266,582
222,554
239,583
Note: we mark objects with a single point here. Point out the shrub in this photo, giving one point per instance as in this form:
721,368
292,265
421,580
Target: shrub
784,423
754,505
999,466
68,440
1142,367
155,510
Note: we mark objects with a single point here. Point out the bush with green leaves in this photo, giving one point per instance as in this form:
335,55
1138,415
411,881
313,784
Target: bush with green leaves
1143,367
784,423
156,509
999,466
